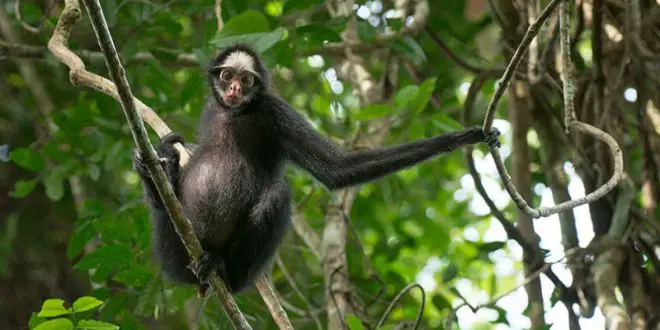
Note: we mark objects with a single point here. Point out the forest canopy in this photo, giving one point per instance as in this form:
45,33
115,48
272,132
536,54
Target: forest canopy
556,229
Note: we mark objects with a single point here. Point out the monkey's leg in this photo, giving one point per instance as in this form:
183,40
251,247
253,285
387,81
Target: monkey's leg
254,243
257,242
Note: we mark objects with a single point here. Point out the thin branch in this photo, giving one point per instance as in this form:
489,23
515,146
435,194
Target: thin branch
24,24
218,14
70,15
453,56
397,298
267,292
310,308
450,319
570,120
510,70
621,214
606,271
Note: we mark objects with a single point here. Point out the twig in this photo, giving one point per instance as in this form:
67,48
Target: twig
621,214
457,59
218,14
141,139
504,82
474,309
511,230
268,295
310,308
398,297
24,24
570,120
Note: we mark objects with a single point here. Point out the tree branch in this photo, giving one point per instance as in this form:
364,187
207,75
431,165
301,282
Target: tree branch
570,119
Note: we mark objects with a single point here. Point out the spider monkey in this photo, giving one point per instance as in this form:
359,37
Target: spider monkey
233,189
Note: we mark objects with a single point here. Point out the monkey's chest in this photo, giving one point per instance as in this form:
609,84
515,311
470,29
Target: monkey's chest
218,192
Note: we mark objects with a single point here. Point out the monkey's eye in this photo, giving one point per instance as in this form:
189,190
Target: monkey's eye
247,80
226,75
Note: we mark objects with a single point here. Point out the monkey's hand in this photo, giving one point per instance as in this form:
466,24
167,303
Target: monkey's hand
165,148
493,138
207,263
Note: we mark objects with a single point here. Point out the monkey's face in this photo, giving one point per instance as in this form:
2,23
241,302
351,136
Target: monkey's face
235,80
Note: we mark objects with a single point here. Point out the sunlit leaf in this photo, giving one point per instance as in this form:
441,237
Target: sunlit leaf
53,307
96,325
354,322
56,324
84,304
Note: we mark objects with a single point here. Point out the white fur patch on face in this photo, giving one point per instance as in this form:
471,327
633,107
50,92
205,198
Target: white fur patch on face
240,60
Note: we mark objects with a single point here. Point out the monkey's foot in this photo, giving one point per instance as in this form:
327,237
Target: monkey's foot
493,138
207,263
201,293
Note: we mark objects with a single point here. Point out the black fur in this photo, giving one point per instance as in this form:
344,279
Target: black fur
233,189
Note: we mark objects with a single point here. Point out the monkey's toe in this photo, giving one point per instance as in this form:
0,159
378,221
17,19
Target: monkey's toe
139,164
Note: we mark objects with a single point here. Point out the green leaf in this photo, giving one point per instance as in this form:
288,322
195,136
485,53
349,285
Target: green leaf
96,325
423,95
27,159
94,171
445,123
54,187
113,158
319,33
440,302
84,233
366,31
250,21
260,41
84,304
405,95
372,111
449,273
146,303
35,321
491,247
133,276
354,322
23,188
56,324
53,307
109,255
409,48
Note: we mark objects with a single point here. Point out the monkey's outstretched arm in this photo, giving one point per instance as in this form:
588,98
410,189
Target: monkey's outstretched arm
336,168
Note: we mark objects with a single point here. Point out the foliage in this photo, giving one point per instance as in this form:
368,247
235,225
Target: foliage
71,212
